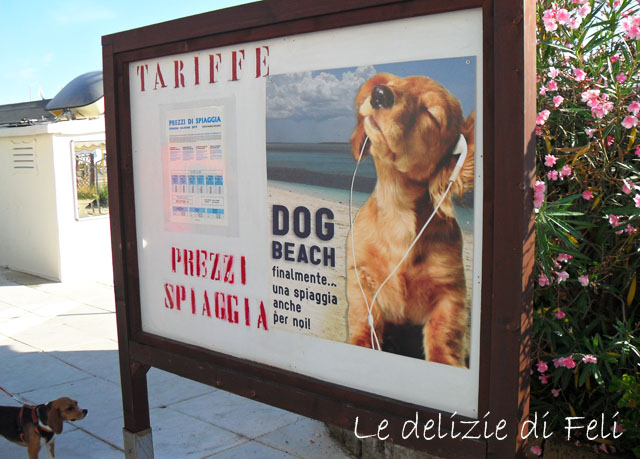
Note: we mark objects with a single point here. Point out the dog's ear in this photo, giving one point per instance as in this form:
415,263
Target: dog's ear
464,182
54,418
365,91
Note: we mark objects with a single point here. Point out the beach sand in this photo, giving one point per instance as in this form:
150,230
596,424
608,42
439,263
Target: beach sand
327,321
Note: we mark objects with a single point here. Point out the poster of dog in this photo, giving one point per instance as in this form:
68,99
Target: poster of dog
382,258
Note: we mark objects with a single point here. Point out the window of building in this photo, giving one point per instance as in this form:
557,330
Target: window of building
90,170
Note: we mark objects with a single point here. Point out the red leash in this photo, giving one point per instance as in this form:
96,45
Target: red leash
22,402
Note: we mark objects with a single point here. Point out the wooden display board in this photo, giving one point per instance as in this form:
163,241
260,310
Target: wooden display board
327,207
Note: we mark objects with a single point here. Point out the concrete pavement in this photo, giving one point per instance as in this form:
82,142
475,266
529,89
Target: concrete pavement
59,339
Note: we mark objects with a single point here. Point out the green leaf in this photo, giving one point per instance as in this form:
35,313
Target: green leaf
558,47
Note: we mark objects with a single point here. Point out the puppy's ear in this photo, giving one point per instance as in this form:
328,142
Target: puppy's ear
464,182
365,91
54,418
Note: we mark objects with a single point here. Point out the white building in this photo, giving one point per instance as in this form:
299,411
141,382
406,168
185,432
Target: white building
48,164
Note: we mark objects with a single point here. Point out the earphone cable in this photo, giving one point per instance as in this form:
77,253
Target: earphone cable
374,337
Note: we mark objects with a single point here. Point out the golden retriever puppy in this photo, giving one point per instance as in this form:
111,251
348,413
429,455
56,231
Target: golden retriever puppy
413,125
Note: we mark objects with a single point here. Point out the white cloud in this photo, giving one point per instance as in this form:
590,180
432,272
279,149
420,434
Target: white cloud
320,97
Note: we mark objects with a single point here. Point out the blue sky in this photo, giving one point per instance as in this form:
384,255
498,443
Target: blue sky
46,44
319,106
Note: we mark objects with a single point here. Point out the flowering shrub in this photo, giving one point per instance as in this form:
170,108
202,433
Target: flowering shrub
586,331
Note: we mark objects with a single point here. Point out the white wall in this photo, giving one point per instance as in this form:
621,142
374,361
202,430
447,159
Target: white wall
85,244
39,233
28,222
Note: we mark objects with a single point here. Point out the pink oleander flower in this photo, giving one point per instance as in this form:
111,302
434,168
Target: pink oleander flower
542,366
591,97
630,229
579,74
555,392
584,10
587,195
631,27
544,379
557,100
542,117
598,111
584,280
538,130
626,187
614,220
560,314
565,171
610,140
616,3
636,199
621,78
564,257
618,428
552,85
550,13
543,90
552,175
543,280
589,132
550,160
550,25
589,359
575,22
614,58
629,122
538,194
566,362
562,16
553,72
536,450
637,151
562,276
634,107
601,110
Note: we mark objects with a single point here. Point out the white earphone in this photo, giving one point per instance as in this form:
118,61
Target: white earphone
460,149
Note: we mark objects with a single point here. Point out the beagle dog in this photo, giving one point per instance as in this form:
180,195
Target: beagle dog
36,426
412,127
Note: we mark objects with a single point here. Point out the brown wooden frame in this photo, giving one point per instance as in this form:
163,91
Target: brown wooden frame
508,242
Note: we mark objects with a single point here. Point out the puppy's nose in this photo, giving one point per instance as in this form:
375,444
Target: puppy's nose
381,97
85,412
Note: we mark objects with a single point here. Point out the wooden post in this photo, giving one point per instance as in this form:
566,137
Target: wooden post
135,401
513,238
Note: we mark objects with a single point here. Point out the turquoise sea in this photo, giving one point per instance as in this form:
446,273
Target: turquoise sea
325,170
